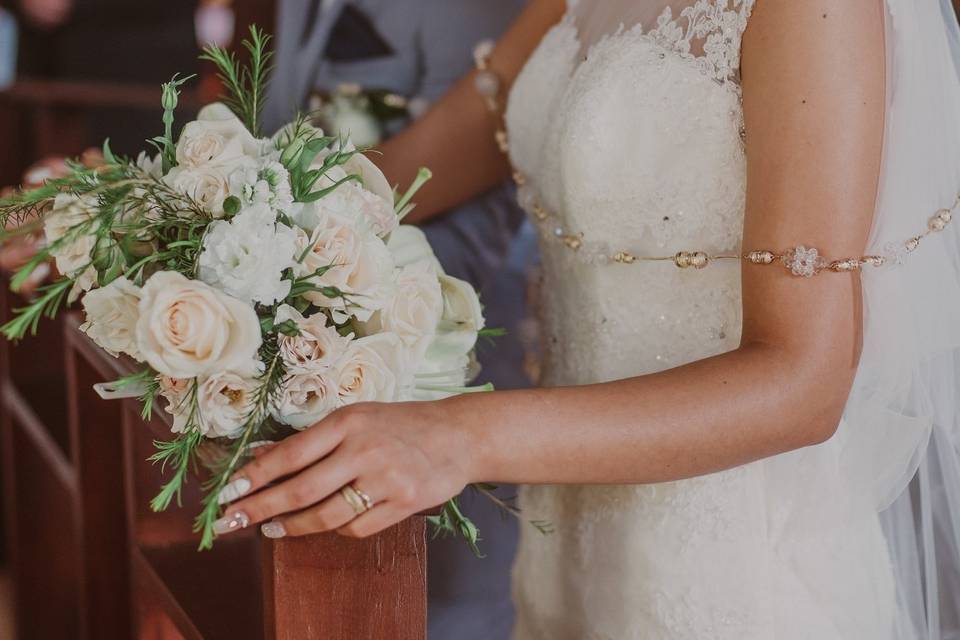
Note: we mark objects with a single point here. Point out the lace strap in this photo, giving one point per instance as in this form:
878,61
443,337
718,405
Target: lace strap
709,31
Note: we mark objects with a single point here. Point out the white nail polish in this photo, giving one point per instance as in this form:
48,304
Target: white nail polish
273,530
236,489
226,524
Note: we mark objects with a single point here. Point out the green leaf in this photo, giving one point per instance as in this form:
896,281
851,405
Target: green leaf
107,153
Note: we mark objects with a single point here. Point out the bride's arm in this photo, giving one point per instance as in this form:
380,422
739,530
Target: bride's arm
456,138
814,95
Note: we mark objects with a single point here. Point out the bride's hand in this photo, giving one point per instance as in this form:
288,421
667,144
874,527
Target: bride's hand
406,457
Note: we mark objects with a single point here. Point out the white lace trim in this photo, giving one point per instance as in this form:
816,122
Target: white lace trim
716,25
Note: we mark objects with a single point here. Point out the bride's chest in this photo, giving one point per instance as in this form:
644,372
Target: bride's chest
634,145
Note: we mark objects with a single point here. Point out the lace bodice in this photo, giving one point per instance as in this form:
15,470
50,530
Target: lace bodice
627,124
635,142
705,31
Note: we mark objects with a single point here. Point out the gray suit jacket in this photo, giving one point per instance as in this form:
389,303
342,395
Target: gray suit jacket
432,42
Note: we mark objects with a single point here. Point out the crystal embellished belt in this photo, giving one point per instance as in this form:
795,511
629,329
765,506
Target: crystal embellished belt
800,260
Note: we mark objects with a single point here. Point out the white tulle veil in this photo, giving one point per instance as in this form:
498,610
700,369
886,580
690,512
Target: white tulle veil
903,411
900,438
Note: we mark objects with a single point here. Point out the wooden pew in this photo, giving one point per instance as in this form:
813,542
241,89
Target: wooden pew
92,561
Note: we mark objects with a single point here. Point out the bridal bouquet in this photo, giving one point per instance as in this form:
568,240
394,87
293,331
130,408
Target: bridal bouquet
262,282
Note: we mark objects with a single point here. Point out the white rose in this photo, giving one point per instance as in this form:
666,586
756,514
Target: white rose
176,391
317,348
306,398
438,378
72,244
359,264
225,400
414,311
459,326
216,137
408,244
369,201
374,369
111,318
188,329
247,256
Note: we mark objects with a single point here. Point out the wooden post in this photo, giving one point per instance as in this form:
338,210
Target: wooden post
364,588
318,587
63,509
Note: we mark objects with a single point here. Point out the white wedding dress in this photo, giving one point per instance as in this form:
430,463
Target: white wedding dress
632,136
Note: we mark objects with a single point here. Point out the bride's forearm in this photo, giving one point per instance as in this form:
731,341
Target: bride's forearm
707,416
456,138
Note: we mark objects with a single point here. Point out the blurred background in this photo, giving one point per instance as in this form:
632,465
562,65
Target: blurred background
72,73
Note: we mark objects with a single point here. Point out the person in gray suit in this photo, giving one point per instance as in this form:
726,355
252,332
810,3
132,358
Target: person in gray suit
395,57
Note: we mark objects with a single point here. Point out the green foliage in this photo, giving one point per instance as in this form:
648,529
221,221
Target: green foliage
253,425
509,509
179,454
246,84
452,521
300,146
45,305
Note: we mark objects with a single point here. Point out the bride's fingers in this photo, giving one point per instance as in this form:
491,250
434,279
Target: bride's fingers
292,455
307,488
380,517
329,515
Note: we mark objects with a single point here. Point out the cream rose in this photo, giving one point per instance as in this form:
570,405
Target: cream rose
317,348
360,266
207,186
216,137
224,401
413,312
306,398
188,329
374,369
71,243
111,318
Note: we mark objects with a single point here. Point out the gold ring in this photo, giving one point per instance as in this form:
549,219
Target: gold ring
358,500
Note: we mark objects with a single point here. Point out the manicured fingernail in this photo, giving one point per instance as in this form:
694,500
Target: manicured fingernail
273,530
226,524
233,490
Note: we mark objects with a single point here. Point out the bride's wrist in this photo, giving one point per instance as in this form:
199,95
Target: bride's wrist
463,415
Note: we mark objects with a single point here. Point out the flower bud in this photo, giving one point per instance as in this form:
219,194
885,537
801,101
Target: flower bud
170,97
292,152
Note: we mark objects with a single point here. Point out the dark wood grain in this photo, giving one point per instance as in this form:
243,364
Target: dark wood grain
334,588
325,586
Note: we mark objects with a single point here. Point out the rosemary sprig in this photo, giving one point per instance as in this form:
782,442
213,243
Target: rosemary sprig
47,304
245,84
180,453
269,386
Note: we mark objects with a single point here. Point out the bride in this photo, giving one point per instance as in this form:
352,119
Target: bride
751,323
